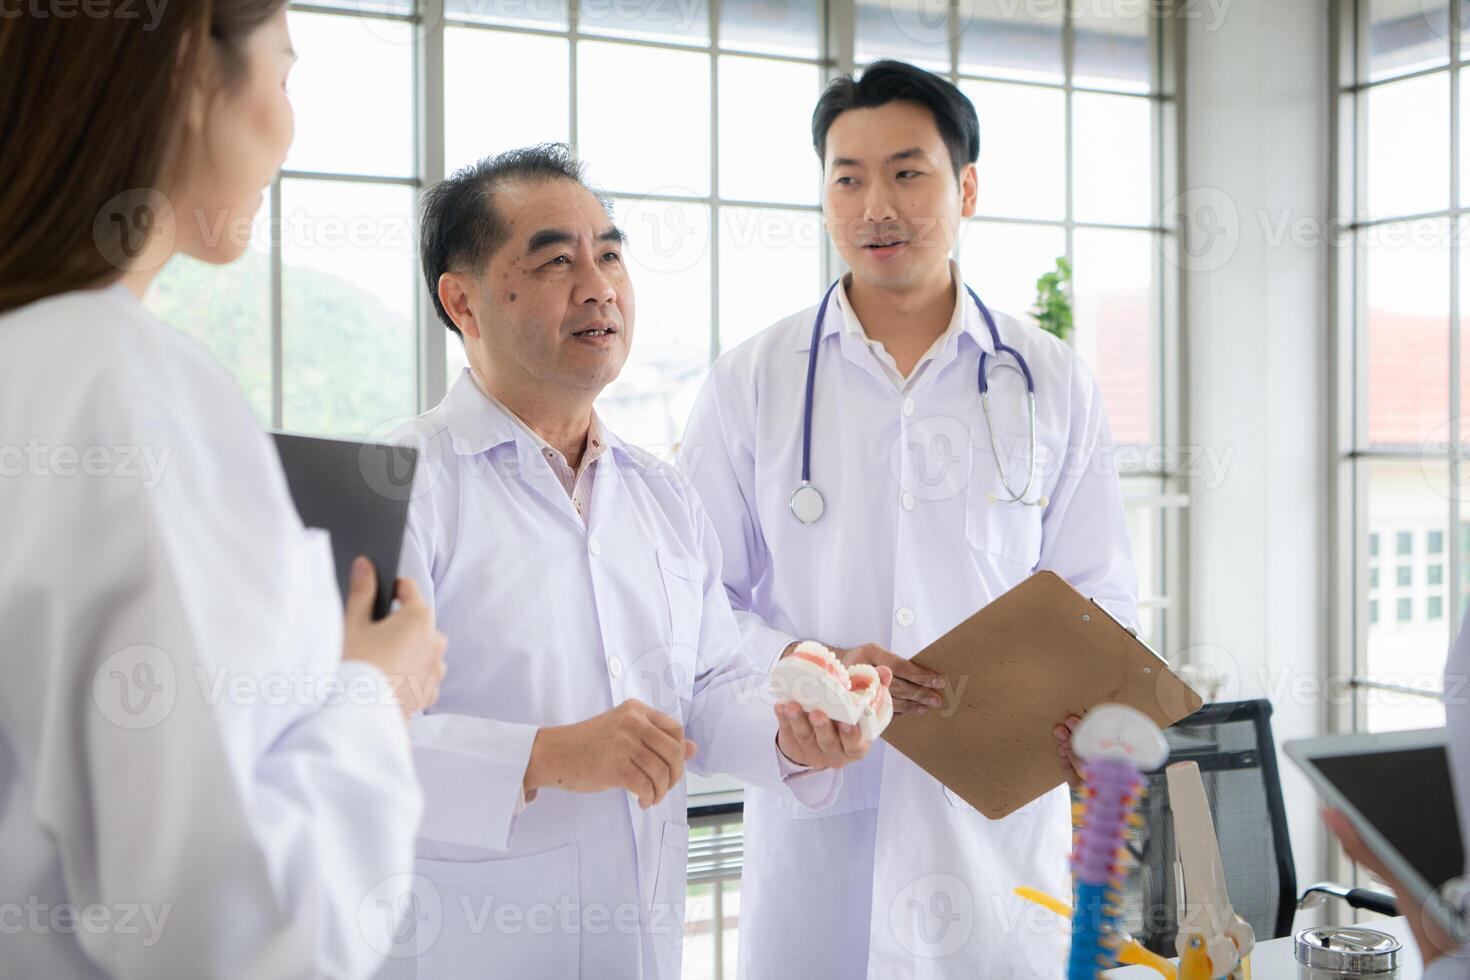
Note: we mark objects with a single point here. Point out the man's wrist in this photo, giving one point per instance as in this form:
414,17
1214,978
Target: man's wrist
540,762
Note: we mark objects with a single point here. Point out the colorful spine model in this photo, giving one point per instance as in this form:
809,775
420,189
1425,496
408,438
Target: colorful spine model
1116,745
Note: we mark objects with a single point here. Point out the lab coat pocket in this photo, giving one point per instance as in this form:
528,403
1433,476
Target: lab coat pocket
1009,530
666,914
517,917
668,671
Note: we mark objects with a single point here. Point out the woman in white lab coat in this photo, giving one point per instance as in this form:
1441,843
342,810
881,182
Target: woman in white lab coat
202,773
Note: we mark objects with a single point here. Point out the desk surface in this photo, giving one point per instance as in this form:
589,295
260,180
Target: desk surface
1275,959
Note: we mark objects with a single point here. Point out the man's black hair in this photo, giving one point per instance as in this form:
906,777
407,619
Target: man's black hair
897,81
459,225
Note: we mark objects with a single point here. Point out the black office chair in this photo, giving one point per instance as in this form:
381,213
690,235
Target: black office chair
1232,743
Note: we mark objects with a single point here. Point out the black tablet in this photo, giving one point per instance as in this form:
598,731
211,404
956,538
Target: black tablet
359,493
1395,788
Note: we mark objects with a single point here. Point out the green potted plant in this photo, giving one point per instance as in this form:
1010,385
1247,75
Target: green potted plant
1053,309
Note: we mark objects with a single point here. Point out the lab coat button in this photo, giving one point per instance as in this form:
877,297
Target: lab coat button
594,547
908,406
615,667
908,500
905,616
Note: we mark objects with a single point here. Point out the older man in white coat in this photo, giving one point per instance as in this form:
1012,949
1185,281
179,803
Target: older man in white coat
918,530
579,579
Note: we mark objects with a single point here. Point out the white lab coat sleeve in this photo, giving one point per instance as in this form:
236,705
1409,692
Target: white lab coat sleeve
732,716
1455,966
252,797
1084,529
717,459
472,769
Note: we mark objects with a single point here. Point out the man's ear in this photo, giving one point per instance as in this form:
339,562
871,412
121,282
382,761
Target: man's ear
969,190
455,289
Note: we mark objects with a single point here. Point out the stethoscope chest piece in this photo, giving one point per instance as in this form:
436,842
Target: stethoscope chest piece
807,503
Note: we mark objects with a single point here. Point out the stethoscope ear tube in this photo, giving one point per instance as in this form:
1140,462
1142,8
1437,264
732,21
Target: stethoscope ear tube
807,503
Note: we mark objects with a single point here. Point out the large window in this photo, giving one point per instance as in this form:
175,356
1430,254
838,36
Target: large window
1399,270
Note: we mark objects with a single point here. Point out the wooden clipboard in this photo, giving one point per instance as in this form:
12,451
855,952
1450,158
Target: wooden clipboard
1014,670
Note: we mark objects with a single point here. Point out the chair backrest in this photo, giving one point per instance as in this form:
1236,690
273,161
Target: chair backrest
1232,743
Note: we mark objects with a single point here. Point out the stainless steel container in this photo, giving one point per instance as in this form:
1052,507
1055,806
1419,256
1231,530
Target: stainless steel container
1346,951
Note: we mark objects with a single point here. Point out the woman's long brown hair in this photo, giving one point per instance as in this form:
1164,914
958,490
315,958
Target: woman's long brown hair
90,110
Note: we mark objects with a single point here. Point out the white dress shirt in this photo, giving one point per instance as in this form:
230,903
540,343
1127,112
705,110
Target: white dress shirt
854,328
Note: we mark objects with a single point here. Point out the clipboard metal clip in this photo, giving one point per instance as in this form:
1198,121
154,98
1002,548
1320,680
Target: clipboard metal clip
1130,631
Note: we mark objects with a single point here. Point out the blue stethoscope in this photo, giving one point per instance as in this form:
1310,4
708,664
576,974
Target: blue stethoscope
806,500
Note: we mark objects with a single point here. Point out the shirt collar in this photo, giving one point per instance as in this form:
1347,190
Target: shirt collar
478,423
966,318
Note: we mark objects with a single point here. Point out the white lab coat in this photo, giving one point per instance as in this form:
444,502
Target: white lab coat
181,792
909,546
552,622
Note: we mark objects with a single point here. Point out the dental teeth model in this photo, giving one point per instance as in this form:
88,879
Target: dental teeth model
815,679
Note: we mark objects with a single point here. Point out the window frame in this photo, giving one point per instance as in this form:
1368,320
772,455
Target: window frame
1350,545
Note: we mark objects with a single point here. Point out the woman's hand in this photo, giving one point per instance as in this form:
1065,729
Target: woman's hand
404,645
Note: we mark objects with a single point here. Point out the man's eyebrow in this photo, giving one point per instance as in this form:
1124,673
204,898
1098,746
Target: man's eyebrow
909,154
613,234
845,162
547,237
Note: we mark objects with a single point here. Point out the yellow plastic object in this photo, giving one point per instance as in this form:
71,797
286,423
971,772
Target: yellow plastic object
1129,954
1195,963
1133,954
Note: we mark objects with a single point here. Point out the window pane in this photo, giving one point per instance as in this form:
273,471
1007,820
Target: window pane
629,148
770,267
1464,274
669,262
1113,172
227,309
454,360
765,131
1409,154
1407,646
912,30
1011,40
1464,133
349,351
1407,287
524,13
1145,534
685,21
1111,45
789,27
1407,35
483,68
1023,150
353,95
1114,297
1002,261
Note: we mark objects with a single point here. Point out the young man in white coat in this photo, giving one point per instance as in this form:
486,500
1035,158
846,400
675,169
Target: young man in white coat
579,579
915,529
